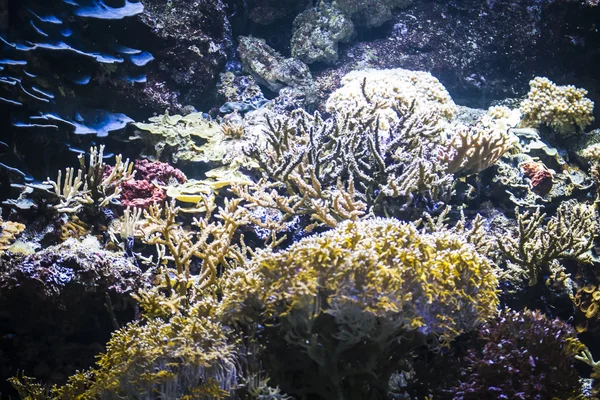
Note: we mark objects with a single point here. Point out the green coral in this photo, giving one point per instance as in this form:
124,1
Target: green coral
342,302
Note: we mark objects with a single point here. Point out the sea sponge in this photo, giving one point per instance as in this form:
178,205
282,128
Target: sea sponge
387,86
563,108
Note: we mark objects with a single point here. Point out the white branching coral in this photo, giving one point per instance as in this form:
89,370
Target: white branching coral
563,108
567,235
95,184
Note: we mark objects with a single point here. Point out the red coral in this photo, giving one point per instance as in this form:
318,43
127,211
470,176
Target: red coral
158,172
540,177
141,194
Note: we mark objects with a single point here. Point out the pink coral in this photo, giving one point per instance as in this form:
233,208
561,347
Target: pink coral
141,194
541,178
158,172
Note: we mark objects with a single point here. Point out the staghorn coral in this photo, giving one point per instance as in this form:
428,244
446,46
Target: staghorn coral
308,159
567,235
95,185
339,305
208,244
520,355
563,108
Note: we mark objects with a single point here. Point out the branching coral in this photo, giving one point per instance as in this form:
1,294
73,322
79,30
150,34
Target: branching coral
208,243
564,108
567,235
310,158
346,300
97,184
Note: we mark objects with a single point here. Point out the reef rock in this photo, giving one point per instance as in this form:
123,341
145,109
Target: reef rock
271,69
59,306
317,32
483,50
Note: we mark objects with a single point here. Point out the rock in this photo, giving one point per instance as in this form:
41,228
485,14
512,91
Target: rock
271,69
317,32
370,13
55,308
484,50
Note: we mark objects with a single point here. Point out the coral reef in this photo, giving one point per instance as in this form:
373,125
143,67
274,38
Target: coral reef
333,226
564,108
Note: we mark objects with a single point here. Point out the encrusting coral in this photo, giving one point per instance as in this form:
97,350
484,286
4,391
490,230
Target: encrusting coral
8,233
564,108
340,303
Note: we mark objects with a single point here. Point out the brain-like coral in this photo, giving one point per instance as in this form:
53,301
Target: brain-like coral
387,86
563,108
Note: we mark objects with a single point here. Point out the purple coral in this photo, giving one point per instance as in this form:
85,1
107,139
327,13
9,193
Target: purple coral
140,194
520,355
158,172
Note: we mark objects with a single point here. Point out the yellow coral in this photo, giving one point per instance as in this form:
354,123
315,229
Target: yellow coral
434,283
187,357
564,108
8,233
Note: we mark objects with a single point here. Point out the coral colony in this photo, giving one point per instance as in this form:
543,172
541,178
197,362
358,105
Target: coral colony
337,224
